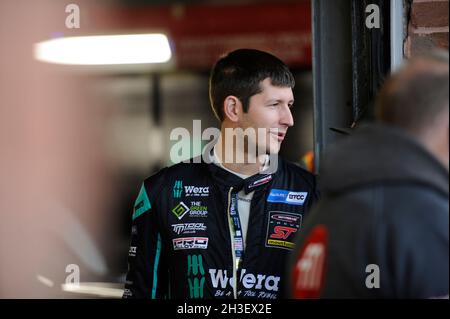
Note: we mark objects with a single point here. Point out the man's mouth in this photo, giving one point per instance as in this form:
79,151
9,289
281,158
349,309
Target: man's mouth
279,135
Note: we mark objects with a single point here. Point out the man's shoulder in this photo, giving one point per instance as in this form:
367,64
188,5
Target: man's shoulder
415,202
295,169
398,205
170,174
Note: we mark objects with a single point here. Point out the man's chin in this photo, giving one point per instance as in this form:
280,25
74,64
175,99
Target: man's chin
273,149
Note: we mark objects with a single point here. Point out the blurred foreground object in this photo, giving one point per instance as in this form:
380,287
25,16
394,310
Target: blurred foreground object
381,229
53,184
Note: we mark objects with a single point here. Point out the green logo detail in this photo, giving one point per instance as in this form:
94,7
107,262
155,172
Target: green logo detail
142,203
199,208
197,283
177,189
180,210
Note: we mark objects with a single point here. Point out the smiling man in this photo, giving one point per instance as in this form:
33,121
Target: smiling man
224,226
260,125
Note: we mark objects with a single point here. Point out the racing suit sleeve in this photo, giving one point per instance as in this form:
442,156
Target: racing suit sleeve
147,273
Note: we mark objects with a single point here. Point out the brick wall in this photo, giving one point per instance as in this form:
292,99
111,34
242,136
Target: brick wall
428,26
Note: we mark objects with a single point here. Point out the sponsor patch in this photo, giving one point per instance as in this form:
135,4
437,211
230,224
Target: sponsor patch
261,181
196,191
142,203
287,197
178,189
196,276
281,229
221,279
188,228
198,210
190,243
180,210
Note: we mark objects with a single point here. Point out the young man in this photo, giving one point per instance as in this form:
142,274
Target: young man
199,226
381,229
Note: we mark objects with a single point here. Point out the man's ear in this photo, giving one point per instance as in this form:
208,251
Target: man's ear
232,108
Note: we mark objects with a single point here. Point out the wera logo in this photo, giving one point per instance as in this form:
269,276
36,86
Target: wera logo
180,210
177,189
196,191
196,276
249,281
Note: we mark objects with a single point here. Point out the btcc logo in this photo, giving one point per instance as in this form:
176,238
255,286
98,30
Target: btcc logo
287,197
296,197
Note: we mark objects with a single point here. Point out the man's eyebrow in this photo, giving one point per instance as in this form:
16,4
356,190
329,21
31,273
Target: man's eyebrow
279,100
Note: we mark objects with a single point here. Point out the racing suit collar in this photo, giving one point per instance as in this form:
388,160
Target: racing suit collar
250,184
255,182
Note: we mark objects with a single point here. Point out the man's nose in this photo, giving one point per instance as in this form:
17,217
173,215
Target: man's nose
286,118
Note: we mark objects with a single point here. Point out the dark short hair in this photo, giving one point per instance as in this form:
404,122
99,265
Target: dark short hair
417,94
240,73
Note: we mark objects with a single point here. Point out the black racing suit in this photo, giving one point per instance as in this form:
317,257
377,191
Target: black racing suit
181,244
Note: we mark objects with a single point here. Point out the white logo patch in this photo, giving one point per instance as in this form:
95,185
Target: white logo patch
190,243
189,228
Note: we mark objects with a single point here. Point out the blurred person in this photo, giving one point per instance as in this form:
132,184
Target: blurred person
198,226
54,176
381,229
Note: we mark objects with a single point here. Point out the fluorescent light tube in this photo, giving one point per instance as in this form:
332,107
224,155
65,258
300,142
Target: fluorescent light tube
105,50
